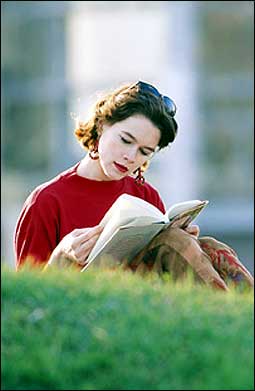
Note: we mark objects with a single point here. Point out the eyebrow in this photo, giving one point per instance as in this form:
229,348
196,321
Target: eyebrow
134,139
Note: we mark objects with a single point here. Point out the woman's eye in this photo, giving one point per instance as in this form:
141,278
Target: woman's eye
144,153
124,140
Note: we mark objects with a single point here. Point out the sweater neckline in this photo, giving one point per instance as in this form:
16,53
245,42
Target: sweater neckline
93,182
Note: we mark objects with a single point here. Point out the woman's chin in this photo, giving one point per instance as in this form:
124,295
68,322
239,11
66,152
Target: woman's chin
114,174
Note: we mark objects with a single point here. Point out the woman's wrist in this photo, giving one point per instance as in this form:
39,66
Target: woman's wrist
58,258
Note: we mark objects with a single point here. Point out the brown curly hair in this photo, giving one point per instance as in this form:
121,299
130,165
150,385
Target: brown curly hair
122,103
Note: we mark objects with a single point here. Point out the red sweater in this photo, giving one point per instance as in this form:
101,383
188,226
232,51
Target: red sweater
68,201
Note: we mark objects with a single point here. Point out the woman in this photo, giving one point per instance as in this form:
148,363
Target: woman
60,219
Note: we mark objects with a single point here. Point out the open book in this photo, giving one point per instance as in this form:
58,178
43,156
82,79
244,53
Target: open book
131,223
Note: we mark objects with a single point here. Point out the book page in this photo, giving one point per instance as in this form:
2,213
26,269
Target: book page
185,217
130,206
114,224
125,210
132,238
132,222
180,207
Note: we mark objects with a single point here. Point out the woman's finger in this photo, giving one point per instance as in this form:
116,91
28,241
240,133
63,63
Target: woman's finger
193,230
85,248
87,235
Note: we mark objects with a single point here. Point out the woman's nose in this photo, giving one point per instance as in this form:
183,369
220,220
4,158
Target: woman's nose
130,155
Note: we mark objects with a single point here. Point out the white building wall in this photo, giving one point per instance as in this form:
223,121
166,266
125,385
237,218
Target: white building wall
126,44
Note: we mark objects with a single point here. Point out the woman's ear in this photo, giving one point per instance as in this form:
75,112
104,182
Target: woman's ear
93,153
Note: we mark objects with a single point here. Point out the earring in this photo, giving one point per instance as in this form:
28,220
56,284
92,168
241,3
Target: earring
93,154
140,178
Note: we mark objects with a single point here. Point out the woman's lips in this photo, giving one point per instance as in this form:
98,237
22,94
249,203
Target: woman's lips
120,167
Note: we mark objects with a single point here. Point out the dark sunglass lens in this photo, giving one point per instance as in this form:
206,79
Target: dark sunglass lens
153,90
170,105
149,88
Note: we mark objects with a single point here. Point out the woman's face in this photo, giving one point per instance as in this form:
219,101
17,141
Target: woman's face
126,146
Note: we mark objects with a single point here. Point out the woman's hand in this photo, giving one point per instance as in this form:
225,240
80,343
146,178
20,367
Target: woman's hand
193,230
76,246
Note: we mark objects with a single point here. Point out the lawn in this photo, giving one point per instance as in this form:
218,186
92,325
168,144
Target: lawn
118,331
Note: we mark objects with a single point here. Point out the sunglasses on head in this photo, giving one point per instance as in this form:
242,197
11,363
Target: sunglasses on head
146,87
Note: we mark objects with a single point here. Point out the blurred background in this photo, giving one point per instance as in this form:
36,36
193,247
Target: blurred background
56,56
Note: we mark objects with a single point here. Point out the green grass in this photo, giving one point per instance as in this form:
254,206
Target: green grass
114,330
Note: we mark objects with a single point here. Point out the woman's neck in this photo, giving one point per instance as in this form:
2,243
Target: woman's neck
91,169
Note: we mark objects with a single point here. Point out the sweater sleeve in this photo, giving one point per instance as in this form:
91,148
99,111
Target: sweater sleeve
36,232
159,203
152,195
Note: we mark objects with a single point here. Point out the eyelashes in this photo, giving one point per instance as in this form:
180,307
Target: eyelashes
125,141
